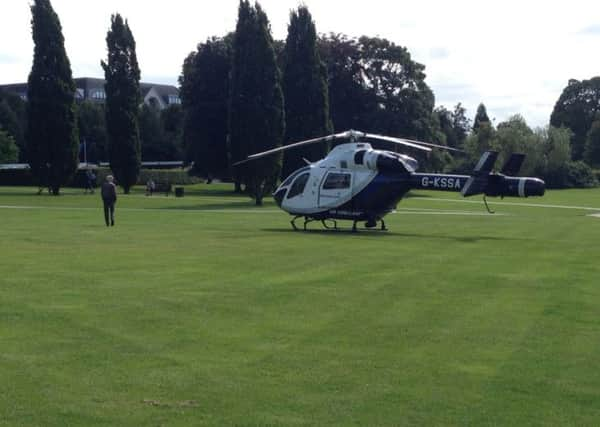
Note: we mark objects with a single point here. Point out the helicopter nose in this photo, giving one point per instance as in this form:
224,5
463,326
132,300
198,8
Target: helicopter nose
279,195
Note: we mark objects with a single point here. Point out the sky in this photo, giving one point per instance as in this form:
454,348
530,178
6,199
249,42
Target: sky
514,56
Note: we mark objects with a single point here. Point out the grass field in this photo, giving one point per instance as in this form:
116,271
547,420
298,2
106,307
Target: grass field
205,310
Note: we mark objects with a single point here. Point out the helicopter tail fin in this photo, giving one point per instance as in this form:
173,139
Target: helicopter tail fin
513,164
478,182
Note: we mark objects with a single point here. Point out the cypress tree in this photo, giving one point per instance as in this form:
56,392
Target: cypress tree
52,128
305,91
481,118
256,113
204,93
122,103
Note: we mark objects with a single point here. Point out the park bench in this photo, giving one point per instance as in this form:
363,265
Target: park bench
162,187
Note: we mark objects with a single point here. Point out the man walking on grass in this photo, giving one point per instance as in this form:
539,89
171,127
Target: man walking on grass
109,198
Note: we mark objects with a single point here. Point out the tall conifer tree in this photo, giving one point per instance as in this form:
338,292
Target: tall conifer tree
123,99
52,129
256,113
481,118
204,92
305,91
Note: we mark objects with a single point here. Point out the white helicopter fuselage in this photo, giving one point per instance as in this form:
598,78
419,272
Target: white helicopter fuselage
327,187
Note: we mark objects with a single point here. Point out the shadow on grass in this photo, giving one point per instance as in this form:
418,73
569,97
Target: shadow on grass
242,205
361,231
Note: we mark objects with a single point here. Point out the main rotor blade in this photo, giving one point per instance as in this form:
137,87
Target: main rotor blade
327,138
412,143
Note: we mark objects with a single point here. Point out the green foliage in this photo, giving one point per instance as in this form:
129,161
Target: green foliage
160,133
305,91
13,119
122,76
52,129
514,136
580,175
349,99
256,113
17,177
171,119
204,94
474,146
151,134
91,119
454,125
374,85
9,152
576,109
592,145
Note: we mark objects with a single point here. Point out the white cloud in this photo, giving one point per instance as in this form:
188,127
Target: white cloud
515,56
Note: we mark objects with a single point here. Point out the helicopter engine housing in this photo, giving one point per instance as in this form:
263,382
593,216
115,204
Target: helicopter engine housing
387,161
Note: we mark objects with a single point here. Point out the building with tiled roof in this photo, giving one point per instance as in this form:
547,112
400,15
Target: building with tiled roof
90,89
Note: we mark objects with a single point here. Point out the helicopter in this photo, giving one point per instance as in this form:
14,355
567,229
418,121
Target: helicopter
359,183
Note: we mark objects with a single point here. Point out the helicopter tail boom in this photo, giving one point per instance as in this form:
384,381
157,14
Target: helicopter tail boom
484,180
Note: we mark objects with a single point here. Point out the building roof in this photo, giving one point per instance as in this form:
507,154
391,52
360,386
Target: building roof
90,84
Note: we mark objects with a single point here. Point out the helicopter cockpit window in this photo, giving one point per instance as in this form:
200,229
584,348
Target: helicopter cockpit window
336,181
298,185
359,157
290,178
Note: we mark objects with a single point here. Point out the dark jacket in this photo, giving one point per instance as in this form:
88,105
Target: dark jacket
109,192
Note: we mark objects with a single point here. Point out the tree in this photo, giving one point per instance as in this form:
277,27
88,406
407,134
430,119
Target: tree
453,124
592,145
152,138
52,129
91,120
9,152
481,117
204,94
305,91
515,136
576,109
13,118
122,103
256,113
376,86
349,98
171,119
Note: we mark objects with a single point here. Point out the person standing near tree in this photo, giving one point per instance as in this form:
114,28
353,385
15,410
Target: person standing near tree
109,198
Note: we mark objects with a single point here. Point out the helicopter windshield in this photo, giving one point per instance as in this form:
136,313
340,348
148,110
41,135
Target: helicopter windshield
298,185
290,178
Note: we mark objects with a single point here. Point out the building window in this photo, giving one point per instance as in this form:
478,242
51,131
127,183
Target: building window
98,94
174,99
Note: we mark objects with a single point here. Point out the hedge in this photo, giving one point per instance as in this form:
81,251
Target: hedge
23,177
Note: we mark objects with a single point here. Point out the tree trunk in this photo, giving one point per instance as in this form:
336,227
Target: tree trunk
238,187
126,190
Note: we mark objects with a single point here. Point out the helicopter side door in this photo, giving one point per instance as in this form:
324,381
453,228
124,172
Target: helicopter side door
335,188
